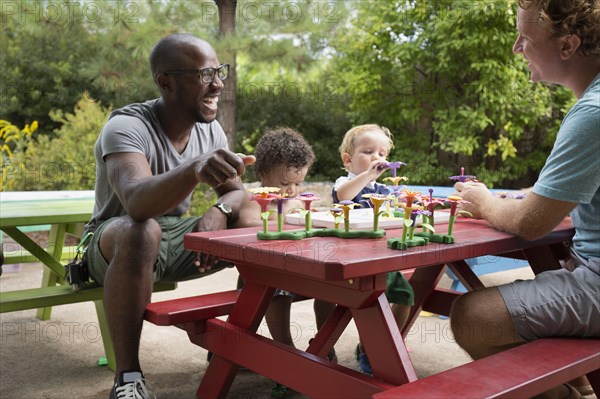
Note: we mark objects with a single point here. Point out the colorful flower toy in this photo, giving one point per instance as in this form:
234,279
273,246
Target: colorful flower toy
264,196
430,203
280,200
453,200
394,166
377,200
464,178
346,206
413,217
307,198
409,223
396,188
341,212
338,216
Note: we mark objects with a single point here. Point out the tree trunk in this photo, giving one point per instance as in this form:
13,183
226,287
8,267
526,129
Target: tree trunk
226,113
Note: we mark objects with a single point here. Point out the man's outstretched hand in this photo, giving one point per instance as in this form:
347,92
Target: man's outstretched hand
220,166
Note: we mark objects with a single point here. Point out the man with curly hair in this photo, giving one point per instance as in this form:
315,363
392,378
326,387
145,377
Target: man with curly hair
560,40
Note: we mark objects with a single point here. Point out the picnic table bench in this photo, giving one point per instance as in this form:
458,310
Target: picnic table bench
520,372
64,213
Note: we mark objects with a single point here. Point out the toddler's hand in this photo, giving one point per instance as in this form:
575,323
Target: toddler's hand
377,168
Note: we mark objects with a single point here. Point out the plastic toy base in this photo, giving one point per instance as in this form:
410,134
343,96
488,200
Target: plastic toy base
439,238
346,234
396,243
300,234
281,235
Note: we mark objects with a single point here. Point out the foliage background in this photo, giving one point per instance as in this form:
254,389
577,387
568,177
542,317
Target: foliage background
439,74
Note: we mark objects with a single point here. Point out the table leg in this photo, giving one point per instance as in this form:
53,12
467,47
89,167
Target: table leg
56,241
594,379
247,314
330,332
466,275
46,258
542,259
384,344
423,280
109,351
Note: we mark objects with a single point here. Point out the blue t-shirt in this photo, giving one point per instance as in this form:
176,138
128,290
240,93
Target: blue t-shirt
371,188
572,171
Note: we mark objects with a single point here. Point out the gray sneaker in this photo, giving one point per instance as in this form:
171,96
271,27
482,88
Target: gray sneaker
131,385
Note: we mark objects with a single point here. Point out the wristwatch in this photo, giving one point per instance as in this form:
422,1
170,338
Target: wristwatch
225,210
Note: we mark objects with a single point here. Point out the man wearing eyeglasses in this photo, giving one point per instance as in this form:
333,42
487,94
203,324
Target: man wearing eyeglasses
150,156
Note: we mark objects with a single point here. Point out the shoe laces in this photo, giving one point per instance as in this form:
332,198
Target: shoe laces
134,390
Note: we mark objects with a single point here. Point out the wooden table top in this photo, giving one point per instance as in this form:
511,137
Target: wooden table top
331,258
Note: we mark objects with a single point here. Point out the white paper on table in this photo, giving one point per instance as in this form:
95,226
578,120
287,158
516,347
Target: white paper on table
360,219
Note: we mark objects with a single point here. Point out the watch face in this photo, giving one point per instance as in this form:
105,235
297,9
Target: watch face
226,209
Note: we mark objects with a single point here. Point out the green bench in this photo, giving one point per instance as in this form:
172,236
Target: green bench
35,298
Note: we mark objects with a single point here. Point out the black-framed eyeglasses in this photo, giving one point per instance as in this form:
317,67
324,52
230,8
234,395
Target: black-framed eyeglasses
207,75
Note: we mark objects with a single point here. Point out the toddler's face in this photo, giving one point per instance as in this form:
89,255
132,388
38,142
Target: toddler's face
288,179
368,147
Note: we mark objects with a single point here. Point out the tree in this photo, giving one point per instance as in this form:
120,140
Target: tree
442,77
285,79
64,161
279,53
52,52
226,114
41,63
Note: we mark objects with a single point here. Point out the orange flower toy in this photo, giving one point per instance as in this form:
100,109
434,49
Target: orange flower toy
453,200
264,196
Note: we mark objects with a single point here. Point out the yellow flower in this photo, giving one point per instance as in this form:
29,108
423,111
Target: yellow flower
396,180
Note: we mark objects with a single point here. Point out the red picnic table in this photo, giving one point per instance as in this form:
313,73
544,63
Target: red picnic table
352,274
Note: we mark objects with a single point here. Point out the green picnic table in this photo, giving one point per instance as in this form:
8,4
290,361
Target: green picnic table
64,213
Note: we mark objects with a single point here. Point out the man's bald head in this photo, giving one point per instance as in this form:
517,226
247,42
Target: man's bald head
175,52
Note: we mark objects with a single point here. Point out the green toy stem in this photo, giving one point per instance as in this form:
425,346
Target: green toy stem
451,224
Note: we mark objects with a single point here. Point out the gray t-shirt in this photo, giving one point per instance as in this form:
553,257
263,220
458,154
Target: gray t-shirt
136,128
572,171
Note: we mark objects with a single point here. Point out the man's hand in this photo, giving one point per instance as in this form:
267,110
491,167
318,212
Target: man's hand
221,166
476,193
